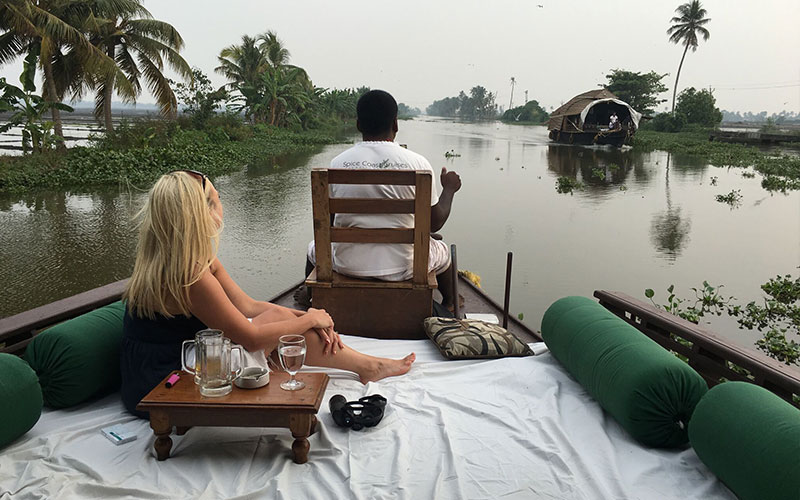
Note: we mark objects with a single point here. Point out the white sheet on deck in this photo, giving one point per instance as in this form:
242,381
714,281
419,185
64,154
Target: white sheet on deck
510,428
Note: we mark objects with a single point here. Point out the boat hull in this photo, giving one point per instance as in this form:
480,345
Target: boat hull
616,138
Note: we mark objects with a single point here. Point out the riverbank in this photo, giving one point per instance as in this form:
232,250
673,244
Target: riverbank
141,151
780,171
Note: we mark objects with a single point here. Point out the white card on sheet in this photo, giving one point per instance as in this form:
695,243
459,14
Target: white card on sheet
118,434
486,318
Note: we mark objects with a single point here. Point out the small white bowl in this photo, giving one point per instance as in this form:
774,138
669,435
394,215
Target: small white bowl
252,377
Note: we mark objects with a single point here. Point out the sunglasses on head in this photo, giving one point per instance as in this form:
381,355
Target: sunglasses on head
200,175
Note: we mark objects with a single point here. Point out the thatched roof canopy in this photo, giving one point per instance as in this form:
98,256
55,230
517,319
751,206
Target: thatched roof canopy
575,105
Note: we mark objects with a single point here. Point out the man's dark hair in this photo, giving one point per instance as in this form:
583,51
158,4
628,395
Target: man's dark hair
377,111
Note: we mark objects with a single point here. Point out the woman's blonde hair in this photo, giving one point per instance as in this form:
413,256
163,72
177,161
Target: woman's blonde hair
178,241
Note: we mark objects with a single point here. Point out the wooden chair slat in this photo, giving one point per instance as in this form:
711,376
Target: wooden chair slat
363,235
322,223
422,227
370,206
361,176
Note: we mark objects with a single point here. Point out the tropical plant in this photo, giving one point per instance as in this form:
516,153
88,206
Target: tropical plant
198,97
52,33
242,64
26,111
640,90
140,48
687,25
699,107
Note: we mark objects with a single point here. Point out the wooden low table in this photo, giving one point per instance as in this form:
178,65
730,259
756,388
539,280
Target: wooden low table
182,406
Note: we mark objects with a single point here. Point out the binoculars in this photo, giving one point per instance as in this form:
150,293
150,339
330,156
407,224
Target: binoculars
366,412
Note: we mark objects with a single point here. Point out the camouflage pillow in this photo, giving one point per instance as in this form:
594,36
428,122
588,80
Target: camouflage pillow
473,339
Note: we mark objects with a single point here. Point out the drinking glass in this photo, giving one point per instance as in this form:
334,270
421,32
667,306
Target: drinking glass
292,353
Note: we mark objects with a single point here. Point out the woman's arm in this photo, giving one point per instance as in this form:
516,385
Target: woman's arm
243,302
211,304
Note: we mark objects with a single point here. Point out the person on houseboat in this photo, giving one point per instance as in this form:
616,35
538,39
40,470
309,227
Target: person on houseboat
179,287
377,121
613,121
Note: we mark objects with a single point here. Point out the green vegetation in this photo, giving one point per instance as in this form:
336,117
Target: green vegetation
139,152
566,185
780,172
478,105
687,25
734,198
530,113
695,109
406,112
637,89
27,110
777,317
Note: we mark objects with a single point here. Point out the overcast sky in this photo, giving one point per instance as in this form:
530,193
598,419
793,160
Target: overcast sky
426,50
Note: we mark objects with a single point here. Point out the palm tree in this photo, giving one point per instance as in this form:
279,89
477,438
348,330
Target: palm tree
139,47
687,25
52,31
511,101
242,64
273,49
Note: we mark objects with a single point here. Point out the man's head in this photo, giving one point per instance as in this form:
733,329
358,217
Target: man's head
377,116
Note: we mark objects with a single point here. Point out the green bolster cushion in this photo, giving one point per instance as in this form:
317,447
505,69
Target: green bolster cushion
647,390
20,398
749,438
79,358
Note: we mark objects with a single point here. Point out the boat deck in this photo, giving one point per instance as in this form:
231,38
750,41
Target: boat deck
475,301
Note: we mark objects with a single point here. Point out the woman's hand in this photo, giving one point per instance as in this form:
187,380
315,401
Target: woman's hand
319,318
331,341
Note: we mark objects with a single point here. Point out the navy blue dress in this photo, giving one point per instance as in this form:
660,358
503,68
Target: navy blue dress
150,350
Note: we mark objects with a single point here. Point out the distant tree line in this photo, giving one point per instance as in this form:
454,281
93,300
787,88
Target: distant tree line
531,112
404,111
762,117
478,105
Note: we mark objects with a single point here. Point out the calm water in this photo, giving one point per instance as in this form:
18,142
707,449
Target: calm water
651,222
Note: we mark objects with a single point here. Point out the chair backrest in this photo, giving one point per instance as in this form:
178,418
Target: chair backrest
324,206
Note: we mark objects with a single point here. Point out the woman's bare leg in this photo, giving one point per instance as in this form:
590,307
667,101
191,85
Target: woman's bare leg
368,368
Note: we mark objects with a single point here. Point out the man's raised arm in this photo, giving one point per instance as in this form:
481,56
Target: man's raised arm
451,183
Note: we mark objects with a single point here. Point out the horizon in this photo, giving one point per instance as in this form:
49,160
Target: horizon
429,52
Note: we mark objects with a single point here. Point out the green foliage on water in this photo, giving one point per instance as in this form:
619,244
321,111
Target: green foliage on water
734,198
776,316
139,152
780,172
566,185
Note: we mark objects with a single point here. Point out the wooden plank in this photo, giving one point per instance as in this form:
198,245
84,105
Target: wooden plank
363,235
370,206
361,176
322,223
422,227
61,310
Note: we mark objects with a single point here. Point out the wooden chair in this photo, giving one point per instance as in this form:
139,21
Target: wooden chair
370,307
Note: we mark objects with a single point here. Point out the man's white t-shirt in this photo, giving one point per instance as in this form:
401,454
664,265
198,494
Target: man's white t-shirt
376,259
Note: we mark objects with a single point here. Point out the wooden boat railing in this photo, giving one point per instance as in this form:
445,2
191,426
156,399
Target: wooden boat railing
17,331
711,356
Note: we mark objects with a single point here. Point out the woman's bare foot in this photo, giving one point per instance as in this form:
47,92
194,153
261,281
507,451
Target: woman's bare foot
384,367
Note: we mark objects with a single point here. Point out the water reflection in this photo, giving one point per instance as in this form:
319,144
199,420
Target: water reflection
669,231
597,166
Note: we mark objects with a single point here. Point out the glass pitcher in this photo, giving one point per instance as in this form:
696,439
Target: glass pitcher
212,367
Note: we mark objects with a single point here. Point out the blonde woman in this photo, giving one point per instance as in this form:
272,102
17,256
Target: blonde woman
179,287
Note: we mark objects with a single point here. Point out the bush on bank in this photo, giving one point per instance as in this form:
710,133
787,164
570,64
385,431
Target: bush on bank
139,152
780,171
